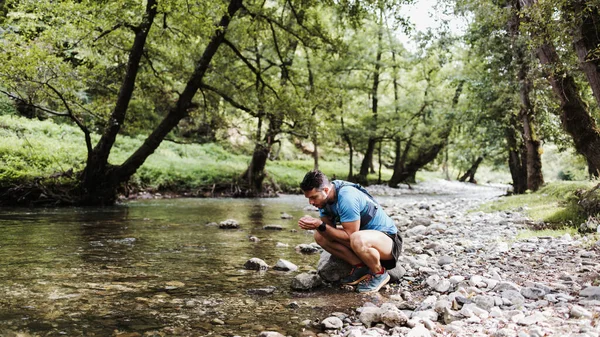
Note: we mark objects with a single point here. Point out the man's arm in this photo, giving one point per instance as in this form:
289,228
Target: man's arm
341,235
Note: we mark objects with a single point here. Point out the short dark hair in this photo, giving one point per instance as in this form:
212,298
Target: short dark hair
314,179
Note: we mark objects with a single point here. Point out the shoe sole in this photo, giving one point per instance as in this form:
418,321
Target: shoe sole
376,289
353,283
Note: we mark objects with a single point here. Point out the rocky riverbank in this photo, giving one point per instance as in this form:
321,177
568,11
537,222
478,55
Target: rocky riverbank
467,274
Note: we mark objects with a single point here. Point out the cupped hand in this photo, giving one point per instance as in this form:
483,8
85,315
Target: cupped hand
308,222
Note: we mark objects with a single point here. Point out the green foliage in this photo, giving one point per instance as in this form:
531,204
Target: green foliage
7,107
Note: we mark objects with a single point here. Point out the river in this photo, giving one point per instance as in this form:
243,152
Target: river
155,266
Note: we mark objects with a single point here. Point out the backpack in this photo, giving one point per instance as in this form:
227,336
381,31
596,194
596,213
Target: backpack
372,206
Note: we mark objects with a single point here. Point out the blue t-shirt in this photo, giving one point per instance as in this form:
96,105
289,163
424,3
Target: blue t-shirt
351,204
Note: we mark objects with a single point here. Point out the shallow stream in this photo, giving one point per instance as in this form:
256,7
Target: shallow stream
155,266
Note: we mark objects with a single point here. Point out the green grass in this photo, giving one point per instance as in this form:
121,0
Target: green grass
526,234
33,148
555,203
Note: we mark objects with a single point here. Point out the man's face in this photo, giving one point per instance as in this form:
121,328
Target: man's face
317,198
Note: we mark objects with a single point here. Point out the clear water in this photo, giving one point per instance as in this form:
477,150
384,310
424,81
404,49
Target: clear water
156,266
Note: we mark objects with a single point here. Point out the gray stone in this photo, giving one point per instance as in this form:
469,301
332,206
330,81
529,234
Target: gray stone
256,264
484,302
444,260
273,227
229,224
419,331
308,249
513,296
332,323
262,291
505,332
270,334
394,318
580,312
532,293
420,221
306,281
369,315
500,287
331,268
591,293
285,265
418,230
286,216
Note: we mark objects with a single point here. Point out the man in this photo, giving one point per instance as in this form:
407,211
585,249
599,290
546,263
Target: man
366,237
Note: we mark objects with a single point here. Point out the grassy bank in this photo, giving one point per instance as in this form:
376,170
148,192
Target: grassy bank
33,148
555,204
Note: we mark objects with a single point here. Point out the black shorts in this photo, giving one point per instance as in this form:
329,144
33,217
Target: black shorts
396,251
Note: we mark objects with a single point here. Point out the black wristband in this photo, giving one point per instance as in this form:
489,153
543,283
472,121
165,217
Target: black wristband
322,227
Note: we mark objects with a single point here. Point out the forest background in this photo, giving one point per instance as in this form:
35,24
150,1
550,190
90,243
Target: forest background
241,98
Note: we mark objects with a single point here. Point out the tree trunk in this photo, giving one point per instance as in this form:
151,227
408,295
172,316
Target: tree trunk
98,184
180,110
315,153
531,159
400,157
255,173
424,157
367,162
515,160
379,162
575,118
586,36
348,140
470,174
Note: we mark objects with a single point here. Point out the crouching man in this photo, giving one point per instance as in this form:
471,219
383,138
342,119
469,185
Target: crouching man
352,227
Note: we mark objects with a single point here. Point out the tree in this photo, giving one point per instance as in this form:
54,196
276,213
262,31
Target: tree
575,117
99,180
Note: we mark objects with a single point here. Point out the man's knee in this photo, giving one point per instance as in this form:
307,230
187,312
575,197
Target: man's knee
357,240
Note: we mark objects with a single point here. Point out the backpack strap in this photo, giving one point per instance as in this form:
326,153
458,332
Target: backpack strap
372,206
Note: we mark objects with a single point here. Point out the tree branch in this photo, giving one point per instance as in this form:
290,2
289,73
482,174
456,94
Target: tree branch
230,100
252,68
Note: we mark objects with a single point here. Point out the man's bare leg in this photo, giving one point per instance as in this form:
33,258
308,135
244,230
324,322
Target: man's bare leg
371,246
337,249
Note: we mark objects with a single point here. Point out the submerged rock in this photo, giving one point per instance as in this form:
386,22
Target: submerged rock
229,224
256,264
285,265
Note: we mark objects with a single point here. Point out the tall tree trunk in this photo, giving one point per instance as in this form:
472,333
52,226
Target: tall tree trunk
348,140
585,20
367,162
399,161
255,173
315,153
518,169
379,162
470,174
180,110
531,158
575,118
98,183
